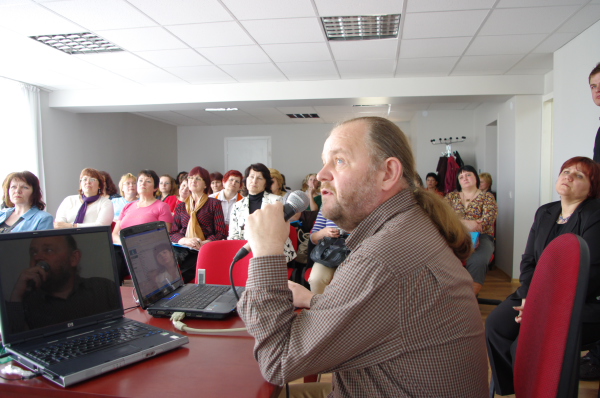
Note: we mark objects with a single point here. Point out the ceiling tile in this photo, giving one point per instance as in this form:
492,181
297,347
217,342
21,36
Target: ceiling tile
101,15
364,49
537,3
296,109
554,42
234,55
142,39
269,9
509,44
366,69
150,76
262,111
254,72
582,20
241,118
274,119
33,20
536,61
515,21
321,70
448,106
201,74
171,58
358,7
215,34
440,47
115,61
532,72
174,118
293,30
176,12
485,64
445,5
425,66
298,52
442,24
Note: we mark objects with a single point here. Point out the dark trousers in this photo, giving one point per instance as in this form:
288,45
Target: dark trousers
502,333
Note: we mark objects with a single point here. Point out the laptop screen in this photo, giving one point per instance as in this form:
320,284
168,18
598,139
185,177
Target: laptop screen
55,280
151,261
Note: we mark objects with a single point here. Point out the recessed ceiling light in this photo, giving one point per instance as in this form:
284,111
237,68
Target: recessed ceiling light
362,27
220,109
78,43
303,115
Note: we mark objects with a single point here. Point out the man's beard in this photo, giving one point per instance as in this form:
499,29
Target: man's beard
56,280
348,211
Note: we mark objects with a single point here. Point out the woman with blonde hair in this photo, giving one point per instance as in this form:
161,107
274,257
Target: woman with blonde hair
128,190
485,183
277,187
312,187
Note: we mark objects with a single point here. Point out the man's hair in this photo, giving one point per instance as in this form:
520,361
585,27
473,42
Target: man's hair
594,71
30,179
152,174
468,169
386,140
71,242
262,169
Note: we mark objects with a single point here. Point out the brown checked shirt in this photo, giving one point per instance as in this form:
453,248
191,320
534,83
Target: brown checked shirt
399,318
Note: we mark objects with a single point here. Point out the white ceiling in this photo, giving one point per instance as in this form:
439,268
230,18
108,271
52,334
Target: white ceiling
177,44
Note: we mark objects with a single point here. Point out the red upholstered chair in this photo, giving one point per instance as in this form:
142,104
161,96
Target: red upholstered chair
216,257
548,351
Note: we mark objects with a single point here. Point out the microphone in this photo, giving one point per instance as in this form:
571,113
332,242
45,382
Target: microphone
45,266
297,201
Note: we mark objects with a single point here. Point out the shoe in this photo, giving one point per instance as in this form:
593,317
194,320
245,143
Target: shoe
588,370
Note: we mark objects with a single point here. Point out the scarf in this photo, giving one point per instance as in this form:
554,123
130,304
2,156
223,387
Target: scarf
84,206
193,228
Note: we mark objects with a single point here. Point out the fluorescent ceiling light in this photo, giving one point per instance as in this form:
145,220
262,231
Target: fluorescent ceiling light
78,43
362,27
220,109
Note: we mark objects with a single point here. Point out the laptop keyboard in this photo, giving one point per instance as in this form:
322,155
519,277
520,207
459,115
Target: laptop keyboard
197,298
95,341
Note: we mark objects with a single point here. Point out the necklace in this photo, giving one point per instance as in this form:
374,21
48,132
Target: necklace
471,198
563,220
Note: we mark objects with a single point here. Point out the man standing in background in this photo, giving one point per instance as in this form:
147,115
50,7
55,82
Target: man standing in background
595,87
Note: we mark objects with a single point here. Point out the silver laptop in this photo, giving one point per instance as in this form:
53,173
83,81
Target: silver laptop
158,282
61,312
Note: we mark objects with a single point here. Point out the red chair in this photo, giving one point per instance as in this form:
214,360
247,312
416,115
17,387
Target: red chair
548,351
216,257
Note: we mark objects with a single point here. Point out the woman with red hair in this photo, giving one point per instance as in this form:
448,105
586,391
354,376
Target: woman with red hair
578,212
230,193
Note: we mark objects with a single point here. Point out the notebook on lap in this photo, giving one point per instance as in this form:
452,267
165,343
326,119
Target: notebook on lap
158,282
61,312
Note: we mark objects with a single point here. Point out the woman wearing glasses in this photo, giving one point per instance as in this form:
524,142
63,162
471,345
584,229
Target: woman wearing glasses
89,208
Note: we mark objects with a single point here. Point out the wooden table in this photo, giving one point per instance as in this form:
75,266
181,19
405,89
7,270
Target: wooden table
209,366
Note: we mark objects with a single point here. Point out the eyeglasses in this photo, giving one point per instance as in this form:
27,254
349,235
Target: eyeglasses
88,179
190,178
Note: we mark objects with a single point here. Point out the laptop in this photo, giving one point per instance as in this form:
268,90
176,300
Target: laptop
158,282
61,312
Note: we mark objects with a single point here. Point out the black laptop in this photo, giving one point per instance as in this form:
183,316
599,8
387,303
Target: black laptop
158,282
61,311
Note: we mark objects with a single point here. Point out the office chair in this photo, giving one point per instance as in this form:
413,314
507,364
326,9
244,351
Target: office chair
216,257
548,351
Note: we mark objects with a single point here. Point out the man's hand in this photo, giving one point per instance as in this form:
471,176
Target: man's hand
37,275
301,295
266,230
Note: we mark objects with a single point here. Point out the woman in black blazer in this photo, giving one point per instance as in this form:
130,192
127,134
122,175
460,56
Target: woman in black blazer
578,212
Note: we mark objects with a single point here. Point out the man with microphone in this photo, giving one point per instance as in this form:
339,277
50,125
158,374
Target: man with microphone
51,291
399,318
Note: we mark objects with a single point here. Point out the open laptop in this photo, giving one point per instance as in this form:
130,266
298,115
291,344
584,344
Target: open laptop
61,312
158,282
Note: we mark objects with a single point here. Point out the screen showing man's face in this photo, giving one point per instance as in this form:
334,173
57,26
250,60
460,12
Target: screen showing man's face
62,261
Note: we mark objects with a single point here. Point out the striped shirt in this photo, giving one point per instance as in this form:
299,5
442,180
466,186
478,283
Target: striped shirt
399,318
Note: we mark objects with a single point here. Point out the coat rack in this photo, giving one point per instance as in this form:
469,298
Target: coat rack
448,142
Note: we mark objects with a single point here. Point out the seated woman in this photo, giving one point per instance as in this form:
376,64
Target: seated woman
110,189
166,187
216,182
229,195
184,193
312,187
128,190
486,183
25,211
258,181
578,212
433,181
321,275
89,208
197,221
478,212
166,271
277,187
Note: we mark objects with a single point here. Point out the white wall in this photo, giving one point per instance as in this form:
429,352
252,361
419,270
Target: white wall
575,114
115,142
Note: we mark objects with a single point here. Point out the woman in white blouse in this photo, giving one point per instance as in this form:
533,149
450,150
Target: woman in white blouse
89,208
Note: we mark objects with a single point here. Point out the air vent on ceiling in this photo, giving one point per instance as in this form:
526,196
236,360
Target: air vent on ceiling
78,43
362,27
302,115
